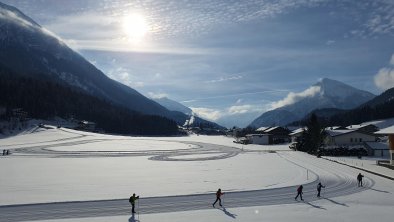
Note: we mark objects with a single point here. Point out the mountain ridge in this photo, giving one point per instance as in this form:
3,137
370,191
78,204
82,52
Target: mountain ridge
327,93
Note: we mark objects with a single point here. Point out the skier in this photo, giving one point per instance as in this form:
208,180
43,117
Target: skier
319,186
132,200
8,152
218,195
3,152
360,179
299,192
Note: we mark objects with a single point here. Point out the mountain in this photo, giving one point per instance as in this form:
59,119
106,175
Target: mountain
386,96
29,50
173,105
326,93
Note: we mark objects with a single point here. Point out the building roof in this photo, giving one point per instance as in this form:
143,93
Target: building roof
333,127
262,129
297,131
388,130
359,126
333,133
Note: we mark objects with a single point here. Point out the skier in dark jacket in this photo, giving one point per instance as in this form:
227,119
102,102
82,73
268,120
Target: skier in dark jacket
360,179
299,192
319,186
132,200
218,195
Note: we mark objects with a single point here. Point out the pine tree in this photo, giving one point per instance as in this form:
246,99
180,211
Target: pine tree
313,136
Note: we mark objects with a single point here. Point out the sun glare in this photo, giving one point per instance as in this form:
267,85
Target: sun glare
135,27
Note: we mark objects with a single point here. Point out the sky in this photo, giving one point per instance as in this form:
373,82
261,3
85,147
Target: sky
228,60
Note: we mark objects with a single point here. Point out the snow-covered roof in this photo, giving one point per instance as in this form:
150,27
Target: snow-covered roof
262,129
359,126
333,127
272,128
338,132
388,130
297,131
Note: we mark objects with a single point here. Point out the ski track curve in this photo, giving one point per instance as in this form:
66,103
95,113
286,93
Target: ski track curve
337,181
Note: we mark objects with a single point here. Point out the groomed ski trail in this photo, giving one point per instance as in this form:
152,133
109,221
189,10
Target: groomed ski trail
339,180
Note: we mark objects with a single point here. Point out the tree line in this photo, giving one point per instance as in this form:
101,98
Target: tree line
43,99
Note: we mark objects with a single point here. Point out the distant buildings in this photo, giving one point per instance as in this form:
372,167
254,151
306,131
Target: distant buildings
389,131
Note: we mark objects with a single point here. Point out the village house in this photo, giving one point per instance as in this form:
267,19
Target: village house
296,134
389,131
347,137
269,135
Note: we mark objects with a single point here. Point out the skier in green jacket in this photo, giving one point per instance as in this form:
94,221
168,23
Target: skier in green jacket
132,200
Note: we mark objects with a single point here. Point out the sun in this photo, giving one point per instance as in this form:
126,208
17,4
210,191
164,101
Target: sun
135,27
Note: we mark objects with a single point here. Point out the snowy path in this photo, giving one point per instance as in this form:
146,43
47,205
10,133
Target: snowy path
338,179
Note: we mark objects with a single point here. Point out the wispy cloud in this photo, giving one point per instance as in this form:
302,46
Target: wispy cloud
207,113
330,42
16,18
384,79
236,95
295,97
157,95
227,78
167,20
235,110
124,76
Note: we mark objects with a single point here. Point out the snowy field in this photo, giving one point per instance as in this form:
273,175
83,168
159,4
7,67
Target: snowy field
66,175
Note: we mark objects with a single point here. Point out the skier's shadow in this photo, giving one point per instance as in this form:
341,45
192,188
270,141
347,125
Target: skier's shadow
133,219
382,191
228,213
335,202
315,206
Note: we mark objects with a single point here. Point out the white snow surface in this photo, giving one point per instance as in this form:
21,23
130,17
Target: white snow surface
62,165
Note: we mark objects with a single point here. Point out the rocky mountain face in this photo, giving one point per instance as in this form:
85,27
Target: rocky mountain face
327,94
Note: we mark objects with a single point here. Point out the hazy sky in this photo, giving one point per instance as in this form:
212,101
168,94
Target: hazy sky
227,59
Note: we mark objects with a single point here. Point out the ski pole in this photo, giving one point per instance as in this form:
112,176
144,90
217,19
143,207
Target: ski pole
138,212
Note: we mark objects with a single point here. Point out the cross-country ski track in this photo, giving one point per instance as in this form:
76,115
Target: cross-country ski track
339,180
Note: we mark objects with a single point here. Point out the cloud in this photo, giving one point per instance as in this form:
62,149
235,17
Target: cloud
384,79
216,114
157,95
236,95
207,113
392,60
240,109
330,42
295,97
11,16
123,75
223,79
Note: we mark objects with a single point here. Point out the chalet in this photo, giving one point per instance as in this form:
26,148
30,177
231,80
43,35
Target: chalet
390,132
278,135
261,139
347,137
269,135
296,134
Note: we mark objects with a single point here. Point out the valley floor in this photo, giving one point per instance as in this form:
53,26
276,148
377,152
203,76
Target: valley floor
66,175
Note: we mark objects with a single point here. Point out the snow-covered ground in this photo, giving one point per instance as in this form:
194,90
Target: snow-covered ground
176,178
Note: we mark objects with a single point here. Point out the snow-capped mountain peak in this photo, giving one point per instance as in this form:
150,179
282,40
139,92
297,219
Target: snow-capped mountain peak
327,93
